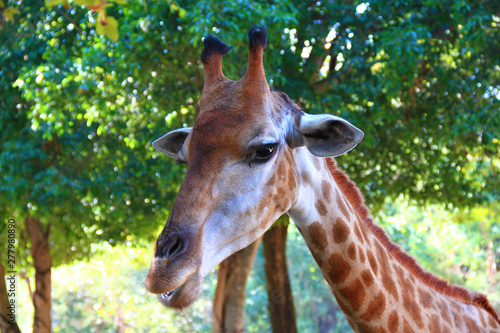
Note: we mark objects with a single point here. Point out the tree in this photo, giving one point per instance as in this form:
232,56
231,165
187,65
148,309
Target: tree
7,323
229,296
420,79
232,278
279,290
79,110
42,262
66,171
81,126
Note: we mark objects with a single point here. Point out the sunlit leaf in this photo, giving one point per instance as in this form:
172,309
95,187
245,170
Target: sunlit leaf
107,25
426,98
89,3
9,13
52,3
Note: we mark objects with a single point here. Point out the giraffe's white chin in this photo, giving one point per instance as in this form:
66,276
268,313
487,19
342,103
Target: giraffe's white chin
184,295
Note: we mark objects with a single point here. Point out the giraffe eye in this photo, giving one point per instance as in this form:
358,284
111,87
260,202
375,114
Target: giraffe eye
265,152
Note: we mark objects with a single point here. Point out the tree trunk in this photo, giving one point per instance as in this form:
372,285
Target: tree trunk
7,323
120,320
491,260
229,296
279,291
491,269
42,261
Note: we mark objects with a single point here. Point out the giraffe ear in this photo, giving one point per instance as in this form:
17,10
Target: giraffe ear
327,135
171,143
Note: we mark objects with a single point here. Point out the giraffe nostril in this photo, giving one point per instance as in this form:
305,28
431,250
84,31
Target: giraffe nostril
175,246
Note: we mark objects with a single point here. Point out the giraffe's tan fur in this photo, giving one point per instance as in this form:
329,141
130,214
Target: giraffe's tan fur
388,292
230,197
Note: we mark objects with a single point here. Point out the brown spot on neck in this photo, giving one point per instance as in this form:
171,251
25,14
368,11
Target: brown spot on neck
375,309
318,235
326,190
425,298
413,308
351,251
373,262
306,178
321,208
355,199
339,268
389,284
367,277
434,325
317,164
354,294
393,322
340,231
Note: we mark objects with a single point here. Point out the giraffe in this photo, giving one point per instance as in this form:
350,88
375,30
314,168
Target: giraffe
253,155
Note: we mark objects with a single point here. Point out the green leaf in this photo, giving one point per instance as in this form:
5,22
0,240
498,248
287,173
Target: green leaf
9,13
53,3
89,3
108,27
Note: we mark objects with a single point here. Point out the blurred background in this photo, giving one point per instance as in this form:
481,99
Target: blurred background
87,85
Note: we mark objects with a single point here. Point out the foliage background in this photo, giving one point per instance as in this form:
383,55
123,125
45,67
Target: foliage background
103,287
86,86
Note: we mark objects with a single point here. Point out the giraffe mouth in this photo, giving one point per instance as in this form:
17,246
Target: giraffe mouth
184,295
167,295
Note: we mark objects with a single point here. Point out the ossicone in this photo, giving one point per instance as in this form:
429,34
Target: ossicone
213,46
257,38
211,57
254,75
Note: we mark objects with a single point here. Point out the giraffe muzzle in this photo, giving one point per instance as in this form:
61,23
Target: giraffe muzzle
184,295
174,271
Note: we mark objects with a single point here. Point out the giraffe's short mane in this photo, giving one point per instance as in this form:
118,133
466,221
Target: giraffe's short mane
355,198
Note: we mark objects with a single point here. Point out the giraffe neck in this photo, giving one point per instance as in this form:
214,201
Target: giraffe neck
376,290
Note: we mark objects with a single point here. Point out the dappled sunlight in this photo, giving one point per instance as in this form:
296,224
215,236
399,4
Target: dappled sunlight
109,288
88,85
111,283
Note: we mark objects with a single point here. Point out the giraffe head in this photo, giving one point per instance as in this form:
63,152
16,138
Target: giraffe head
241,170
